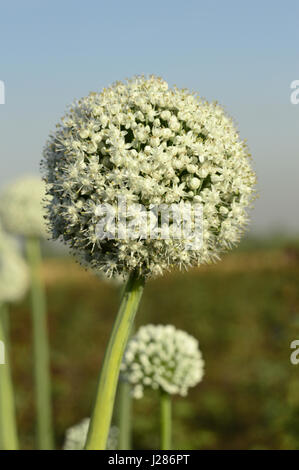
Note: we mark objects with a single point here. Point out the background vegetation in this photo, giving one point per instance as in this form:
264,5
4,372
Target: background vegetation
244,311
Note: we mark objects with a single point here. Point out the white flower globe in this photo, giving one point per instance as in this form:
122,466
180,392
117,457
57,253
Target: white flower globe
75,436
14,274
21,207
162,357
147,144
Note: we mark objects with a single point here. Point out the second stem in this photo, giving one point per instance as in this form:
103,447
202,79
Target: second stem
165,420
40,347
8,426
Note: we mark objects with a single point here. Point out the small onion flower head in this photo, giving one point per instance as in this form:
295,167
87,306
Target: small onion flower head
75,436
21,207
146,144
14,275
161,357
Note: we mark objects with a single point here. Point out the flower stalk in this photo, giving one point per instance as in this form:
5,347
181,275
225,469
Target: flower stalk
8,426
107,385
165,420
124,410
40,347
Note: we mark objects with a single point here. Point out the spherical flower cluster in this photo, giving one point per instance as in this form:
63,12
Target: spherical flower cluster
162,357
75,436
146,144
14,275
21,207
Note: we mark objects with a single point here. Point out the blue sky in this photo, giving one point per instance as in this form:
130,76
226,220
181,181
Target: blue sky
245,55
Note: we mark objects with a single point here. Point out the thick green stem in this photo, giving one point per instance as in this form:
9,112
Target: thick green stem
124,409
8,426
40,348
105,396
165,408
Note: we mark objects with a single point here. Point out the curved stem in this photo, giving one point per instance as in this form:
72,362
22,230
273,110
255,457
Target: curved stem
103,407
165,409
40,348
8,426
124,408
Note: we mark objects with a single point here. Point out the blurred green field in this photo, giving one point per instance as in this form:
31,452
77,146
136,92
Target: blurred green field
244,311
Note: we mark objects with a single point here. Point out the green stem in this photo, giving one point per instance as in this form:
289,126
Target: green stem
165,408
124,408
8,426
40,347
105,396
